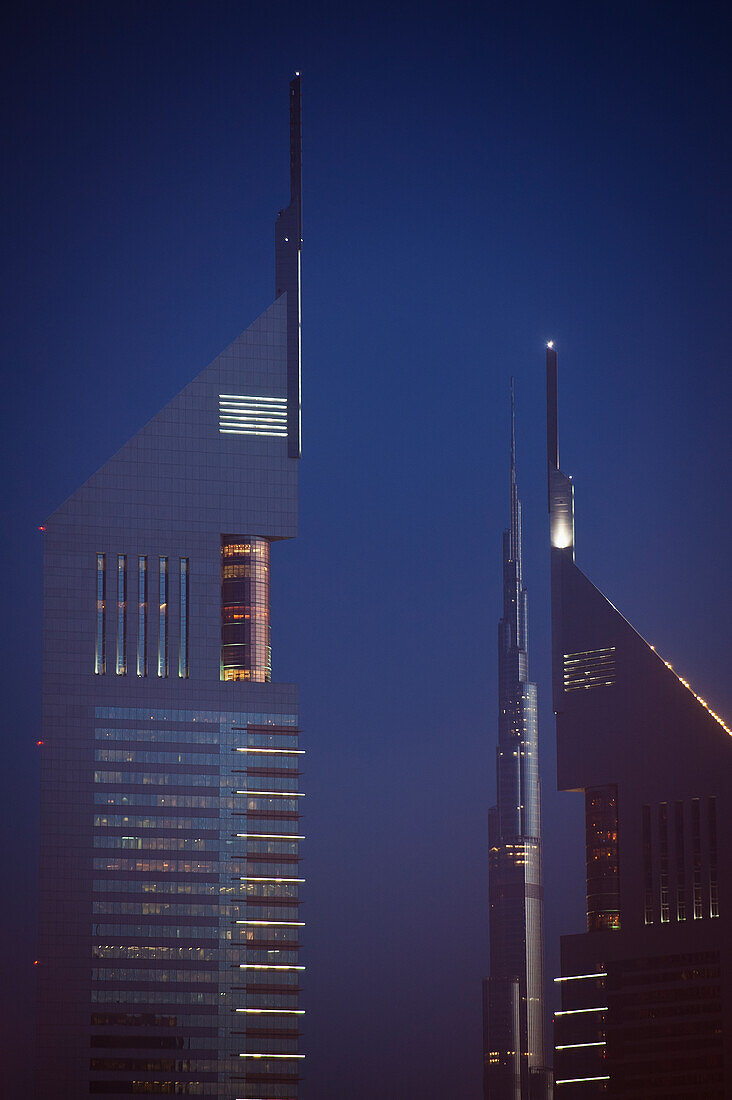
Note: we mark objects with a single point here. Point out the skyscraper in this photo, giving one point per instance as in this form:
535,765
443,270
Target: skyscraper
513,995
647,989
169,874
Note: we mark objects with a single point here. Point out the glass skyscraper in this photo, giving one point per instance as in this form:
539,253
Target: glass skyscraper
513,995
647,989
168,954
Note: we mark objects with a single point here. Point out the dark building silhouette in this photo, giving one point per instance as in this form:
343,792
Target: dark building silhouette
169,872
646,991
513,995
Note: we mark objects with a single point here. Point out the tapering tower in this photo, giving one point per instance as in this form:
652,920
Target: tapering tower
513,996
647,988
169,928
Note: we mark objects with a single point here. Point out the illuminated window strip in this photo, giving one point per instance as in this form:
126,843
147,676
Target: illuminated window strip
577,1046
579,1011
267,966
579,1080
236,431
273,794
275,752
581,977
272,1011
239,397
251,878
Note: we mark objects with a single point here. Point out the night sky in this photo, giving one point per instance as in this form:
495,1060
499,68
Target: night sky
477,180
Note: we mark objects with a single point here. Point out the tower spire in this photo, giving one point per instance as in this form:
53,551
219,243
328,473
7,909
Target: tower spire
515,506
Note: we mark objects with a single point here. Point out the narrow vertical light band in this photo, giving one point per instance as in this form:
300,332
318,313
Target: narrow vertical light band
100,657
142,616
163,618
121,614
183,654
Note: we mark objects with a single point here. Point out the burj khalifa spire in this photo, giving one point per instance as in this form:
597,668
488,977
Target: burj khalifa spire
513,995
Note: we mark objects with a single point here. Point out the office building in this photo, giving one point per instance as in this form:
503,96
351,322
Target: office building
168,959
513,995
646,991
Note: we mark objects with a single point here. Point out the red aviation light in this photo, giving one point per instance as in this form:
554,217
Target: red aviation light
40,742
41,528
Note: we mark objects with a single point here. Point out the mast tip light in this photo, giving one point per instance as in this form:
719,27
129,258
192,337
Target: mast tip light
550,343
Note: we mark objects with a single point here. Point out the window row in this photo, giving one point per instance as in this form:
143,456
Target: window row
173,779
133,886
151,756
125,820
185,801
189,866
158,931
158,843
152,908
148,951
142,604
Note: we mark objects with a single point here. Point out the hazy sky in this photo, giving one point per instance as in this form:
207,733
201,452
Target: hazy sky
477,179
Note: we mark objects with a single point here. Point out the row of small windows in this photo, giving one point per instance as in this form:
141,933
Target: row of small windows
143,756
180,801
121,662
226,719
152,908
152,997
150,1019
155,1088
153,974
158,931
127,821
202,736
133,886
158,951
173,779
168,865
166,1065
158,843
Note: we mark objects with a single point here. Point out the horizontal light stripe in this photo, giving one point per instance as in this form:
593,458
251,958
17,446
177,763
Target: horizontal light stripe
577,1046
251,878
267,966
270,836
272,1011
579,1080
278,794
275,752
581,977
239,397
241,431
578,1011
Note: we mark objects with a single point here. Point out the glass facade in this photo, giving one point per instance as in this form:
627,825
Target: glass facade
245,609
170,877
601,837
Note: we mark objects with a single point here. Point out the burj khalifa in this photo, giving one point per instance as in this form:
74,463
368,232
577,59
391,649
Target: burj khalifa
513,995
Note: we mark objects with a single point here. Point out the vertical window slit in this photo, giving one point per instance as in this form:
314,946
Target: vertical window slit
100,656
121,614
647,866
183,655
713,884
142,616
696,843
163,618
663,850
680,862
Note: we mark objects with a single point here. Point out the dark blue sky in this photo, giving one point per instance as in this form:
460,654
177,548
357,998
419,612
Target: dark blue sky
478,179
